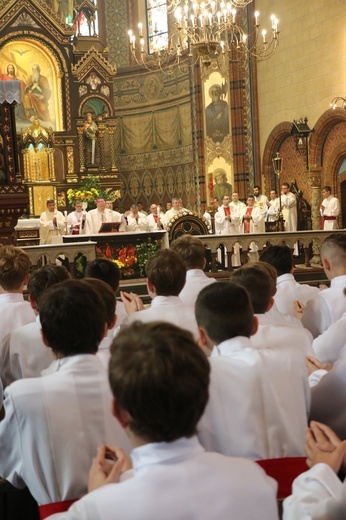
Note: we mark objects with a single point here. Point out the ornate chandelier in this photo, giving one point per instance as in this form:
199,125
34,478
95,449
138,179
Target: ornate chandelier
334,102
206,30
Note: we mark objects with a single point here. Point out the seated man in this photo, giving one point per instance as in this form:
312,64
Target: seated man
54,423
166,274
192,251
159,379
319,493
263,391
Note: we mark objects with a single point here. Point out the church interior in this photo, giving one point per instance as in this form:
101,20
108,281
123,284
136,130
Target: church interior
155,101
158,133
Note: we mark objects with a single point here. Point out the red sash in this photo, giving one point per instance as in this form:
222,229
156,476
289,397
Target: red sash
247,222
326,218
155,218
55,507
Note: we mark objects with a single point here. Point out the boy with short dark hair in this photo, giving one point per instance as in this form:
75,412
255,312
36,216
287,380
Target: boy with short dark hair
64,414
245,415
159,379
107,271
192,251
23,351
166,274
288,291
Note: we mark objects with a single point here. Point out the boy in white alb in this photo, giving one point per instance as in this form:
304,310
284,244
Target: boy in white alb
54,423
14,275
319,493
107,271
248,384
23,352
192,251
159,378
329,305
329,209
166,275
288,291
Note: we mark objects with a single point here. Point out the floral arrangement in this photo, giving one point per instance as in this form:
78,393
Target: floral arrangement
131,259
90,191
126,260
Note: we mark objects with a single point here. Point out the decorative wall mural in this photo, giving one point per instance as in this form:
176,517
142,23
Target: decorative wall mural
34,66
217,114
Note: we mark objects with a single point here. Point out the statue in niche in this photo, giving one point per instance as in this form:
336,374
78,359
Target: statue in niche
93,81
90,131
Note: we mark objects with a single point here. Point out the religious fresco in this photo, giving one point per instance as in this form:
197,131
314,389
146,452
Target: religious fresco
34,66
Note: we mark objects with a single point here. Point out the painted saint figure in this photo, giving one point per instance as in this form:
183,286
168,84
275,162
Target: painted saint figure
221,186
217,115
37,95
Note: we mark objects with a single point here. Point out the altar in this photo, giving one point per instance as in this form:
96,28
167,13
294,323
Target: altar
130,251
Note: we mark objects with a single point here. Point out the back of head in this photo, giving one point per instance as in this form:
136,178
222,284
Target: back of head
259,279
105,296
224,311
45,277
105,270
167,272
334,250
160,376
279,257
72,319
14,267
191,250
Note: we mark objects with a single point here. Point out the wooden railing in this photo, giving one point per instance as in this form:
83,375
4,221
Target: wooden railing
309,240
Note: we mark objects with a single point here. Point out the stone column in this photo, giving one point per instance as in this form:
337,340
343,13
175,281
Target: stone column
315,176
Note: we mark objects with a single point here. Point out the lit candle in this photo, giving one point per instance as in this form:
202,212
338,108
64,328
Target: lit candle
256,17
272,19
133,41
234,12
